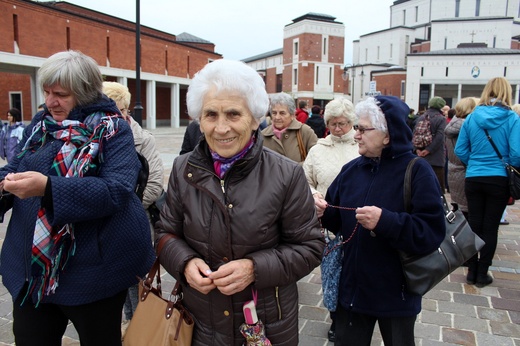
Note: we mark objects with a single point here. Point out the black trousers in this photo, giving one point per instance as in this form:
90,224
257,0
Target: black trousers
97,323
487,198
353,329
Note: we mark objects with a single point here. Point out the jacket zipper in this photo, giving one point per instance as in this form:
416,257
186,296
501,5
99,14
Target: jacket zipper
276,289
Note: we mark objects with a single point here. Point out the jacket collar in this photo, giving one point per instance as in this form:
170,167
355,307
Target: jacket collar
201,157
294,125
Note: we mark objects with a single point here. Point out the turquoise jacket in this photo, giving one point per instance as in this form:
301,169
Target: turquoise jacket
474,149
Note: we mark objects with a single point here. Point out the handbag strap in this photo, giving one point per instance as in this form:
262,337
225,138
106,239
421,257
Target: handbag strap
155,270
493,145
407,186
303,152
407,193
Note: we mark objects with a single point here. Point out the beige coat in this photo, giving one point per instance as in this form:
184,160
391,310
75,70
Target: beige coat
288,144
145,145
326,158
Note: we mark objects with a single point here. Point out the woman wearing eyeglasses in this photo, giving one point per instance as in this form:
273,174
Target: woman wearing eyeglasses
326,158
372,287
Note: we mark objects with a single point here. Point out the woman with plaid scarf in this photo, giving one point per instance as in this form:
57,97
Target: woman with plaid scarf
78,235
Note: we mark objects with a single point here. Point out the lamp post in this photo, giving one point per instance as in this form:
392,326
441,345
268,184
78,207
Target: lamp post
362,74
346,76
138,108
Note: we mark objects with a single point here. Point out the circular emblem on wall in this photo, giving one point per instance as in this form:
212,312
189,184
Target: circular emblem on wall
475,71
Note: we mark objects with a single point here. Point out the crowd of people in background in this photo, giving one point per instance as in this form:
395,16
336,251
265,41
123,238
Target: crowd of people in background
258,179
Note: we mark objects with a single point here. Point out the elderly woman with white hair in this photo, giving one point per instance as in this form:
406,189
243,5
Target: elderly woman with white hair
242,216
365,205
326,158
286,135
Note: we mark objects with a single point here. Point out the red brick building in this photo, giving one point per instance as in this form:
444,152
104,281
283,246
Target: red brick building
310,64
32,31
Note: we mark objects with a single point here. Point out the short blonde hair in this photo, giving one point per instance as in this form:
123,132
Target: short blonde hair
465,106
117,92
496,90
339,107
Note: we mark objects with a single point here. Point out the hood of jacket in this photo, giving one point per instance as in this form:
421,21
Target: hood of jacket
396,112
490,117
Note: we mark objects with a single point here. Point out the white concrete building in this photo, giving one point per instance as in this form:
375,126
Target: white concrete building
448,48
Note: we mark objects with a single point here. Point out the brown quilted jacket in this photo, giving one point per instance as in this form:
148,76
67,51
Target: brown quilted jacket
262,210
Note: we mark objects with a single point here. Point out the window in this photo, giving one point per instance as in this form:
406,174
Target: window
391,49
166,60
416,14
68,38
366,54
324,46
445,43
404,17
330,75
403,88
15,101
378,50
295,77
494,41
295,48
317,75
422,71
505,71
15,28
477,8
108,48
447,70
279,83
457,8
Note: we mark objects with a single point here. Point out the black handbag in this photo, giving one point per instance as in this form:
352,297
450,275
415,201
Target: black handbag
512,173
423,272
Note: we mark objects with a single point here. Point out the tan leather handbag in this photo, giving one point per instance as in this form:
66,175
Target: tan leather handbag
158,321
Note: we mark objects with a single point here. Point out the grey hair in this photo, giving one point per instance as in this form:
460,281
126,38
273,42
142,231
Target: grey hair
340,107
284,99
369,108
228,75
75,72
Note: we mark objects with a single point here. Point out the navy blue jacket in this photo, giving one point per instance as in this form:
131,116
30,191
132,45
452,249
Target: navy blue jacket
113,243
371,281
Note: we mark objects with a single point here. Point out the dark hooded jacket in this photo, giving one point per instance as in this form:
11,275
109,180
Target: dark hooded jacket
261,210
371,281
113,243
437,156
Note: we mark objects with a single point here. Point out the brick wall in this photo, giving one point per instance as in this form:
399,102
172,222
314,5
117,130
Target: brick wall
390,84
43,31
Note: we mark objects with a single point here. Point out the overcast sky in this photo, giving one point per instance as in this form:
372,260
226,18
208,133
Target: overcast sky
242,28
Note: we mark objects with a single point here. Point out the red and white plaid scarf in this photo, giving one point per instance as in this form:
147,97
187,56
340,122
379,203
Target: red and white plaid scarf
54,245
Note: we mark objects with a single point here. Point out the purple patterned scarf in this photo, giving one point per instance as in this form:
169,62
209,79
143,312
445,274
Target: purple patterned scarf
223,164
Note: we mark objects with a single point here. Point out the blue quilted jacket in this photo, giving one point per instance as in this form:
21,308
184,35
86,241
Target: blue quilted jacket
113,243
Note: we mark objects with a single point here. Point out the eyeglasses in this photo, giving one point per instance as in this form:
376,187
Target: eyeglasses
340,125
363,129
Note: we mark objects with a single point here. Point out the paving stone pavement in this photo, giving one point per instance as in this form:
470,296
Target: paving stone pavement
453,313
